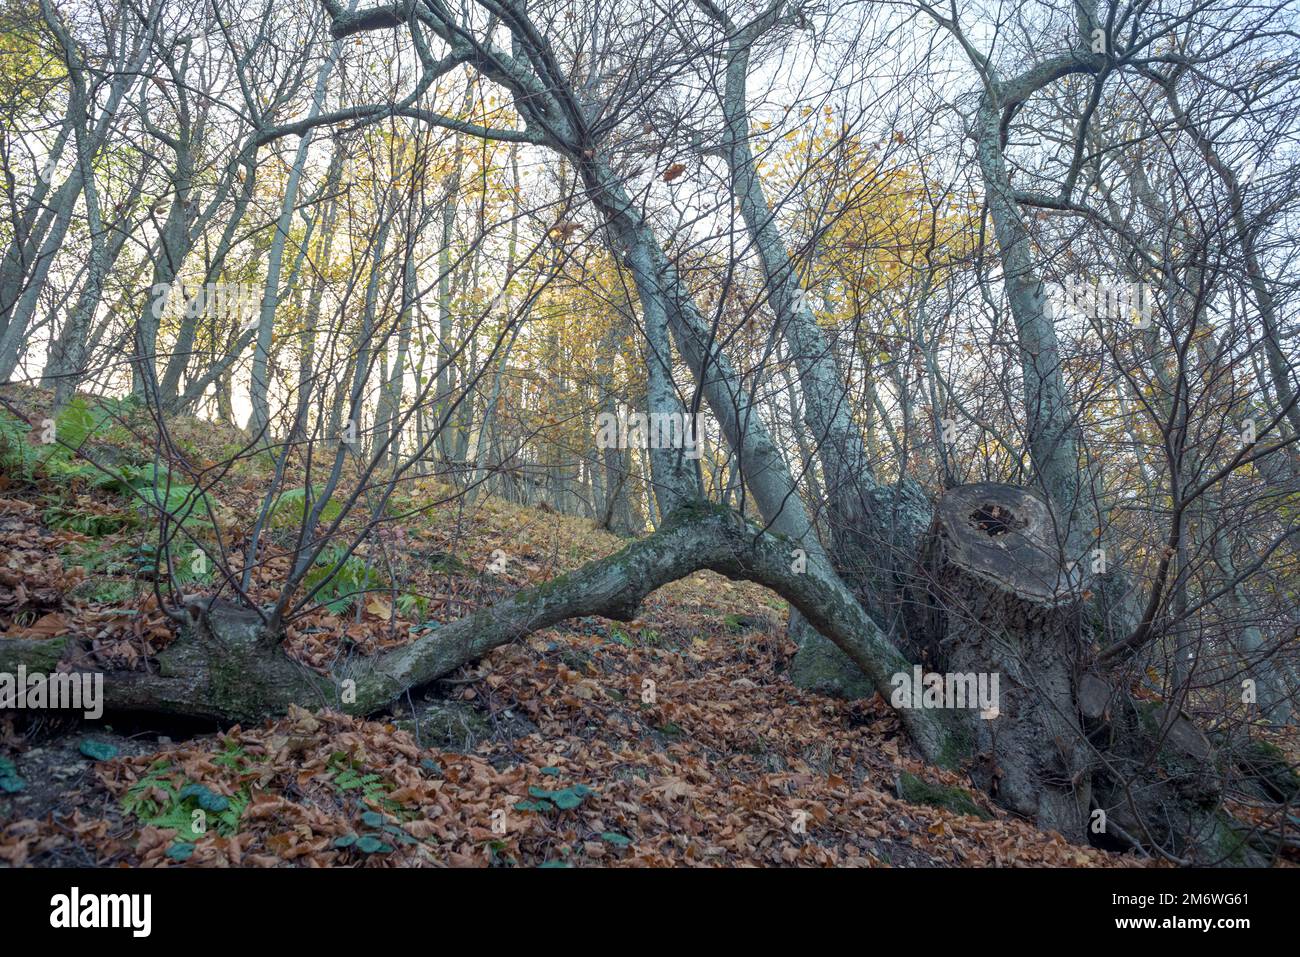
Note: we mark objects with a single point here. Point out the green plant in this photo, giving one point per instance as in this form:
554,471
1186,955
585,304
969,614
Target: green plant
98,750
646,636
106,591
376,839
231,756
365,843
350,776
94,524
411,605
165,798
157,488
10,782
62,438
545,801
17,454
147,558
290,508
341,578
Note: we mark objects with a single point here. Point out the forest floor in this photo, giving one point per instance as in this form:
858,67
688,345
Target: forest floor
554,750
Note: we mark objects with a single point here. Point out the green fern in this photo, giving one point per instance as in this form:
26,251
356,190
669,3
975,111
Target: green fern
94,524
180,799
342,579
350,775
73,427
17,454
158,487
290,508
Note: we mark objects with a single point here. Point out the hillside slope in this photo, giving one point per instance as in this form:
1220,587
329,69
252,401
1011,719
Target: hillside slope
675,739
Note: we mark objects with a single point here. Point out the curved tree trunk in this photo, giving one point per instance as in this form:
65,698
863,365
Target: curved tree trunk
225,666
867,523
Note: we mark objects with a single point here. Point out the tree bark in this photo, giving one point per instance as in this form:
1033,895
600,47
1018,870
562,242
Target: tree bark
1002,603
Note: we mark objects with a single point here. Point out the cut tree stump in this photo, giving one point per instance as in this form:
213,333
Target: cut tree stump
1001,601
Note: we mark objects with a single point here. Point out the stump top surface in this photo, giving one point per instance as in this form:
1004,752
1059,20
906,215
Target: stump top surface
1007,535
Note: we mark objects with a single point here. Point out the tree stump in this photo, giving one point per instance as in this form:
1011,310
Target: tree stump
1000,601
